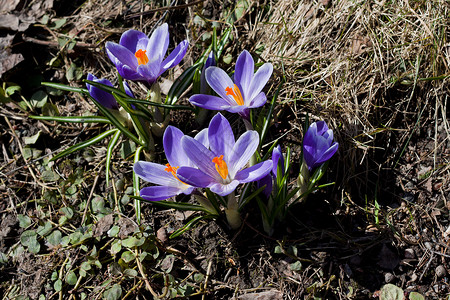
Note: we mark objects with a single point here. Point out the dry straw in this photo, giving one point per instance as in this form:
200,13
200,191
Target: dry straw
370,68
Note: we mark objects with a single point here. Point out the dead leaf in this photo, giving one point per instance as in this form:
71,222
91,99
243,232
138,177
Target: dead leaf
126,227
268,295
360,44
103,225
7,6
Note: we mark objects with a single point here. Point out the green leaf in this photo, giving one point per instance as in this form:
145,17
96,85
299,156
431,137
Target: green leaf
188,226
297,266
76,119
29,152
112,143
34,247
132,241
38,99
28,237
66,88
50,109
116,247
130,273
24,221
127,149
416,296
74,72
113,231
117,123
114,293
57,23
128,256
58,285
44,230
55,238
181,84
71,278
9,91
32,139
67,211
391,292
85,144
49,176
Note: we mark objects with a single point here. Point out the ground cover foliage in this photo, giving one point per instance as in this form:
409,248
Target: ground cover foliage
376,71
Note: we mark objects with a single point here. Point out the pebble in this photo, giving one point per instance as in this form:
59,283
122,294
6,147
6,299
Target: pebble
440,271
388,277
409,253
428,245
414,277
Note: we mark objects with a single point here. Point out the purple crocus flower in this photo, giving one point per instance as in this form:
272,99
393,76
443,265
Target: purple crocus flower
221,167
277,159
238,96
138,57
318,145
168,183
210,62
104,98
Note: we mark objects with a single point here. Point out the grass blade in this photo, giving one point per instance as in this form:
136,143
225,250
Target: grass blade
66,88
136,187
76,119
84,144
111,145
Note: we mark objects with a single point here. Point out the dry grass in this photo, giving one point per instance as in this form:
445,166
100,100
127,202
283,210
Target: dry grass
367,67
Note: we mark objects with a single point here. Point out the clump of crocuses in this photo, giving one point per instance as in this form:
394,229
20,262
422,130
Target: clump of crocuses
213,160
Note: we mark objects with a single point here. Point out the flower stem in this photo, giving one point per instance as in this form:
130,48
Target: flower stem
232,213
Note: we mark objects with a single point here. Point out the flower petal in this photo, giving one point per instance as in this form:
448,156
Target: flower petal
242,151
149,71
224,189
276,156
243,74
255,172
130,39
221,137
172,147
104,98
268,182
174,57
157,44
259,80
258,101
194,177
156,174
326,155
321,127
200,156
128,90
158,193
209,102
202,137
118,53
218,80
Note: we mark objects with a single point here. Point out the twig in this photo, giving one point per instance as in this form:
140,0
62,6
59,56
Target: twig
23,156
181,6
90,196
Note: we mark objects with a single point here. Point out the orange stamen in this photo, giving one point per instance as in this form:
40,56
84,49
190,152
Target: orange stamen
141,57
236,94
173,170
221,166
